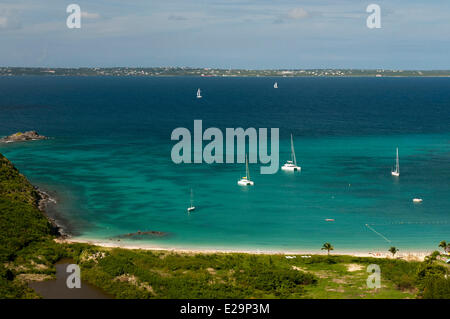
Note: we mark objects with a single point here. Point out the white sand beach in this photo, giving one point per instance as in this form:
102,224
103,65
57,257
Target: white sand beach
405,255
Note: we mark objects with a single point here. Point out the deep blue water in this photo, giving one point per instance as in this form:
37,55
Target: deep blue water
109,158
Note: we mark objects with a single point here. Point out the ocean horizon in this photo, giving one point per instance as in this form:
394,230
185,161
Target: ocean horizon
108,160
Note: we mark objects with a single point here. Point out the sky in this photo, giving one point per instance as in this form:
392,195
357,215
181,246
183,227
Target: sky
249,34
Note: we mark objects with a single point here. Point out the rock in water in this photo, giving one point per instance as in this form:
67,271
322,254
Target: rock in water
19,137
142,235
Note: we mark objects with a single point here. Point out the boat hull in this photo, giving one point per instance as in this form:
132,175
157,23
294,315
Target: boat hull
245,183
291,168
395,174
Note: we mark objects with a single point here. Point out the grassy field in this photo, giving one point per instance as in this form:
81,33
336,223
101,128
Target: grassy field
29,250
175,275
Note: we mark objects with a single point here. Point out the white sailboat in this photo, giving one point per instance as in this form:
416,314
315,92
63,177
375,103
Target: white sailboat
396,172
191,207
245,181
199,94
292,164
275,86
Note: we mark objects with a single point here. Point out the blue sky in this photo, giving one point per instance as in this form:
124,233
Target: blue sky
226,33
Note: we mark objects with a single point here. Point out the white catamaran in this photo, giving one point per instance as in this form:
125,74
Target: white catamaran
199,94
396,172
191,207
245,181
292,164
275,86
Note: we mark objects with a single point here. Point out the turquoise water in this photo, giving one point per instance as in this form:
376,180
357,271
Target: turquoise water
109,163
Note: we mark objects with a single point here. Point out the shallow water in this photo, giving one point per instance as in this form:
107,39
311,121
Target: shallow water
57,289
109,159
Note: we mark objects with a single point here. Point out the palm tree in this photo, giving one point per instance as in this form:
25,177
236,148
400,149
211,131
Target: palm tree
327,247
444,245
393,250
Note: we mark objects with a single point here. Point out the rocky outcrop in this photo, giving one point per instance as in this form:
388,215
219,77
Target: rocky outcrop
20,137
43,201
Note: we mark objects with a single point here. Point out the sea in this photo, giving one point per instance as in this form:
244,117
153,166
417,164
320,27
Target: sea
108,160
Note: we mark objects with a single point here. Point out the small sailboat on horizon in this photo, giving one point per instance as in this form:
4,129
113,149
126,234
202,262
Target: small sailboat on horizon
396,172
246,181
191,207
292,164
199,94
275,86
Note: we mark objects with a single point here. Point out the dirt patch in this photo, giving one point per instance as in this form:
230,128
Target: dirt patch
354,267
38,266
94,257
339,281
212,271
33,277
323,274
340,289
132,279
161,273
298,268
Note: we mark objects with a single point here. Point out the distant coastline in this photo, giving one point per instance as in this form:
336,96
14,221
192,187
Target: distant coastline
216,72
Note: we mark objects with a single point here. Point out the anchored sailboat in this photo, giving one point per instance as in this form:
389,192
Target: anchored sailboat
275,86
396,172
199,94
191,207
292,164
245,181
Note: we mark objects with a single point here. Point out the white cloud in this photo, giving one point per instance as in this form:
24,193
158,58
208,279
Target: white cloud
8,21
297,13
89,15
3,22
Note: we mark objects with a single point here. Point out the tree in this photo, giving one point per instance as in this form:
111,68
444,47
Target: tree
432,257
327,247
393,250
444,245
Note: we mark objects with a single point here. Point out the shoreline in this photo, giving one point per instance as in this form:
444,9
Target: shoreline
45,201
48,204
413,255
64,235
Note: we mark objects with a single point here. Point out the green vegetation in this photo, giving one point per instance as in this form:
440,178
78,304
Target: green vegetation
26,240
28,252
148,274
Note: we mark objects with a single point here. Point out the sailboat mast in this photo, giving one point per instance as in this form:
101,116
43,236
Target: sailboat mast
247,172
294,159
397,164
